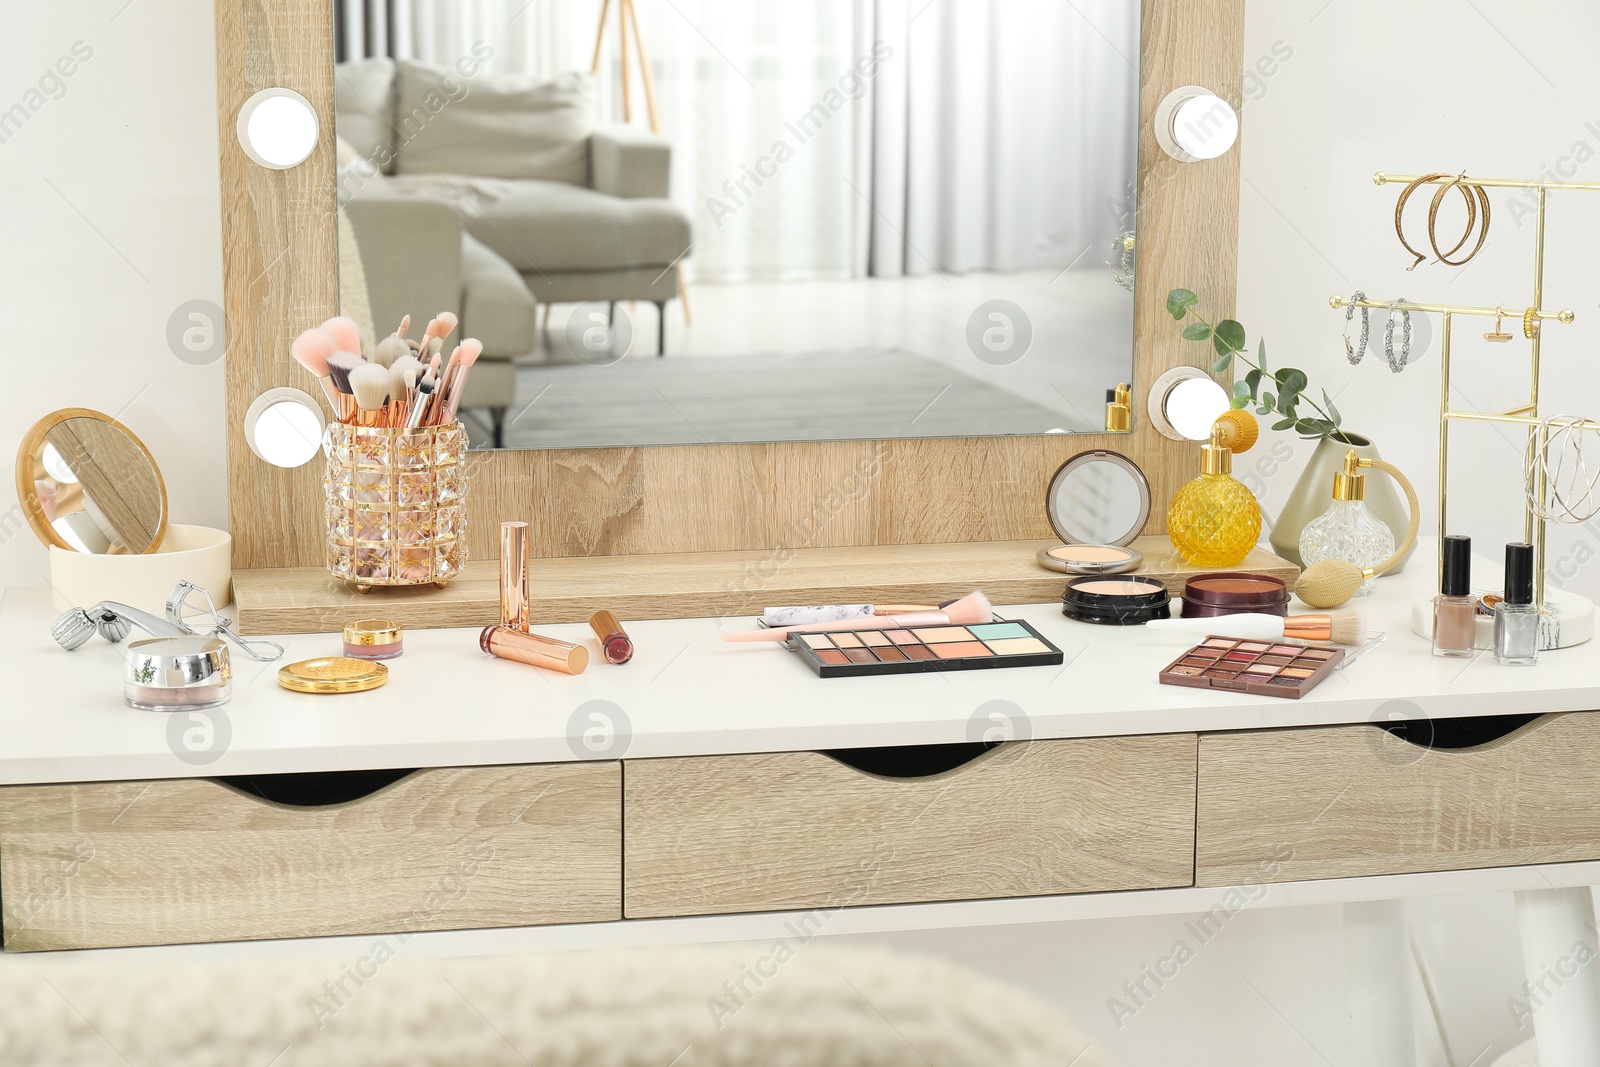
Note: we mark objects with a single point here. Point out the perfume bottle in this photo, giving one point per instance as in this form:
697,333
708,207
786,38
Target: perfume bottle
1348,530
1516,618
1214,521
1455,612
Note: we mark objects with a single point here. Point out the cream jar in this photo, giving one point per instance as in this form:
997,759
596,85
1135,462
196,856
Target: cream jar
374,639
177,674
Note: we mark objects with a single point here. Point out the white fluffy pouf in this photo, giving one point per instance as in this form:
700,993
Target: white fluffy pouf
783,1005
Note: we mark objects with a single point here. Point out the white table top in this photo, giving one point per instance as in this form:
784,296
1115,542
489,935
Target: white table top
688,693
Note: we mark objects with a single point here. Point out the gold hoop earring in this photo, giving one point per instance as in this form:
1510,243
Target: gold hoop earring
1472,219
1399,212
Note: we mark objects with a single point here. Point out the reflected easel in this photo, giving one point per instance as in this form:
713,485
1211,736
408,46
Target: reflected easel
628,20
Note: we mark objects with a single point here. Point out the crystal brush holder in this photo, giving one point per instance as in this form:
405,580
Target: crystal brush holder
396,501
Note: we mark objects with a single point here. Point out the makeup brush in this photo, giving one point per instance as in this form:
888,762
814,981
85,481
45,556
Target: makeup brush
340,367
424,392
803,614
311,350
970,610
464,357
400,385
390,349
370,384
345,332
405,325
1341,628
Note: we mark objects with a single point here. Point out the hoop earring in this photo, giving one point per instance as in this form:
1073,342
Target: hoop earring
1397,365
1472,220
1497,335
1355,353
1399,212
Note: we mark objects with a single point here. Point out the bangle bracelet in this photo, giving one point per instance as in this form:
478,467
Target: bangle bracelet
1472,219
1530,323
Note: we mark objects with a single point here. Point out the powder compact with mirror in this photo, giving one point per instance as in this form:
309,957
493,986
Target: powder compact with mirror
1098,503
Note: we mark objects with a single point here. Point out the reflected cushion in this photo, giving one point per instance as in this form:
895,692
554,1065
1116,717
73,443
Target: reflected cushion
363,106
494,126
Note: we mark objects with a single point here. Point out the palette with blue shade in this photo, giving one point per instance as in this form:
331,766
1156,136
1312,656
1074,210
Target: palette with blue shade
911,650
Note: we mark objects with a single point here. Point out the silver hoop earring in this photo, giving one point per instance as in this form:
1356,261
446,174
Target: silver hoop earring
1397,364
1355,353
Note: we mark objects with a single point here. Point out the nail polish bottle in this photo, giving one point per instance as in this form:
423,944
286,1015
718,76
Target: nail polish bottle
1516,618
1454,613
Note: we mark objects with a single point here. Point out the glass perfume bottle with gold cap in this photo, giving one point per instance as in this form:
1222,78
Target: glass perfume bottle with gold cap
1214,521
1348,530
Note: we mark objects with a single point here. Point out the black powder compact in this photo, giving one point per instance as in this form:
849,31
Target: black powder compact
1116,599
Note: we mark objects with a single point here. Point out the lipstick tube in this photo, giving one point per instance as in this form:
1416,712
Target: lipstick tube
533,650
614,642
514,575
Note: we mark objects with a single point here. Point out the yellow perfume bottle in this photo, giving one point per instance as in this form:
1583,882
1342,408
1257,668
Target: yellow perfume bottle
1214,520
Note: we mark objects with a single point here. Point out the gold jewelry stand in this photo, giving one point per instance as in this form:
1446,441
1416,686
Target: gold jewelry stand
1527,415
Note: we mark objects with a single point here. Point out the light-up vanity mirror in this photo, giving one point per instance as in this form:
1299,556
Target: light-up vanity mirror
835,210
805,232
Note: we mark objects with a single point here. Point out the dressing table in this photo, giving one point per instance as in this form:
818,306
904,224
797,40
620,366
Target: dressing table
710,792
625,806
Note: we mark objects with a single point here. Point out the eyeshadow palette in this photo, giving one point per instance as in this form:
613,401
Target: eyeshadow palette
858,653
1265,668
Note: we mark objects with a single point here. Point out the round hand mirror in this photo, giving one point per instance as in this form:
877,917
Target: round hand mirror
87,484
1097,503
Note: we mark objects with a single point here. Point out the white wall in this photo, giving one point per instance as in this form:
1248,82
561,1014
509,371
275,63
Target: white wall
110,222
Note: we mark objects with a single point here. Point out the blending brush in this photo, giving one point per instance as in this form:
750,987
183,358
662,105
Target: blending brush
970,610
1340,627
370,384
340,366
346,333
311,350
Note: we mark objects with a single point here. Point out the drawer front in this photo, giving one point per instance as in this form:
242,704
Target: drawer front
172,862
720,834
1347,801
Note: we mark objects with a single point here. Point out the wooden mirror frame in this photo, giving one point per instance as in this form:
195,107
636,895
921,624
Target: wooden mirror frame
27,455
280,275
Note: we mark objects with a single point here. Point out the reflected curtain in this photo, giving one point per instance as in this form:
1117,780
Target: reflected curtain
535,37
1005,139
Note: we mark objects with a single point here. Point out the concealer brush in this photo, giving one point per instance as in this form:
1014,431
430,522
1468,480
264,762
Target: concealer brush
970,610
311,350
405,326
464,356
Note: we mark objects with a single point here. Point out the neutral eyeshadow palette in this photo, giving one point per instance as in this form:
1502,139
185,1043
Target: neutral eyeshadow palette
858,653
1265,668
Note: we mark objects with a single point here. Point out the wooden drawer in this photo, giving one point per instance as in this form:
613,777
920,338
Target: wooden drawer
1345,801
172,862
802,830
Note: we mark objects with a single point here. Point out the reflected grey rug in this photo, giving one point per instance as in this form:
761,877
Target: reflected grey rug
860,395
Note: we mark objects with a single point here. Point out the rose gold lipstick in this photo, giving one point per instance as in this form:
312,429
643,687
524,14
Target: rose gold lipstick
614,641
533,650
514,575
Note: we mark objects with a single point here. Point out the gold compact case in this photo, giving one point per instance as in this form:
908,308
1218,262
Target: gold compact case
332,674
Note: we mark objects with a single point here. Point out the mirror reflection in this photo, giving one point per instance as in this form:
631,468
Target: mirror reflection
88,484
1098,498
705,221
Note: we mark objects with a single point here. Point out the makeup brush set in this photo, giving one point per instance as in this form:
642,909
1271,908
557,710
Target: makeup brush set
405,384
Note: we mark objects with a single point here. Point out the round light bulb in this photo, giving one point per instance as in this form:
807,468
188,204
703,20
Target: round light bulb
1205,126
1193,406
278,128
284,427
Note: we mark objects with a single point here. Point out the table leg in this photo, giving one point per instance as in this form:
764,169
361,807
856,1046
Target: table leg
1378,972
1563,992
